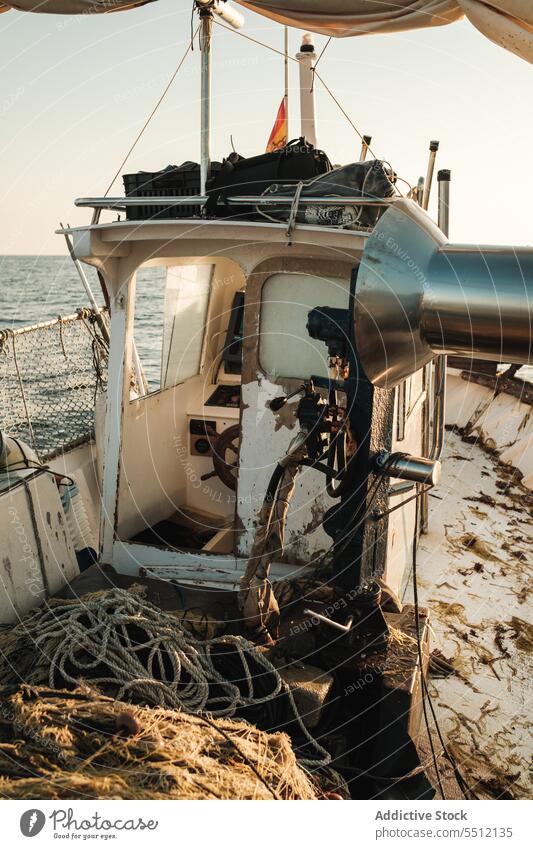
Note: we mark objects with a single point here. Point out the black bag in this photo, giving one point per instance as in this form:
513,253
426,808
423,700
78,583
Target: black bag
239,176
372,178
178,180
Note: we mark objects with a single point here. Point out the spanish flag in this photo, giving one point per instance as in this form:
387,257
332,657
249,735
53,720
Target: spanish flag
279,136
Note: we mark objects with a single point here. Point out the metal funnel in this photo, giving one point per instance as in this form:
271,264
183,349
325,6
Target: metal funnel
417,295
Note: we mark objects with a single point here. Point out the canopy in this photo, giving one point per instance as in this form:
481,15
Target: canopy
508,23
71,7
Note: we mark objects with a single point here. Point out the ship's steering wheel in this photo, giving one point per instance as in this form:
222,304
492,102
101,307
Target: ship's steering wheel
225,450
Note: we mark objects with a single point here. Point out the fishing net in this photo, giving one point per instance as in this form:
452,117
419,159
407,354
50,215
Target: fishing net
82,745
133,651
49,376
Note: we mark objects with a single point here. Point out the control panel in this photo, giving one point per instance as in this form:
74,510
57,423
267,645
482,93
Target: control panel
201,432
225,395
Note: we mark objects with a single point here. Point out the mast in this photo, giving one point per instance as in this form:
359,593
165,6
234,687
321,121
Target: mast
206,10
206,31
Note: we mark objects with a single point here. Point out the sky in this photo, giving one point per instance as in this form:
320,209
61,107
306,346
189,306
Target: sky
74,92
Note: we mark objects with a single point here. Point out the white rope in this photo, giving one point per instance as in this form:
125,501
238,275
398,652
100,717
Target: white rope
150,658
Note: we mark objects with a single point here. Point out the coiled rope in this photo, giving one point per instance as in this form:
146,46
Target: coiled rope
118,640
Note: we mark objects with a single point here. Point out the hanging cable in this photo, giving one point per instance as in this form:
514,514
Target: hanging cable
154,110
317,75
318,60
254,40
402,503
322,52
292,59
352,530
351,123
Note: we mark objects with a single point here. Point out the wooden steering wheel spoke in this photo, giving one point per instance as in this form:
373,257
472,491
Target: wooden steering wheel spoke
227,441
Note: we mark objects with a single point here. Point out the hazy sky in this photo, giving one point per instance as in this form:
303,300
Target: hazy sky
75,91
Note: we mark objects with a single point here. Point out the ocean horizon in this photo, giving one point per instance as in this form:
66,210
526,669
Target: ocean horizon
36,288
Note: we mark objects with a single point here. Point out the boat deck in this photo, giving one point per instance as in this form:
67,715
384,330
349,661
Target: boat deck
474,573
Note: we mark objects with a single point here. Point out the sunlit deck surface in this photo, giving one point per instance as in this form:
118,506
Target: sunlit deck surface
474,573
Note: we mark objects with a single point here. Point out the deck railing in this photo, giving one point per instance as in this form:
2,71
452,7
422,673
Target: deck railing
50,374
120,204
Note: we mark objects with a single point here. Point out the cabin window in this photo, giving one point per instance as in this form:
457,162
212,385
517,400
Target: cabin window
148,322
285,347
186,302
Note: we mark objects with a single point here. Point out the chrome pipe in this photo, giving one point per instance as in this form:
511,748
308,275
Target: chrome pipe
418,296
433,148
121,203
487,312
408,468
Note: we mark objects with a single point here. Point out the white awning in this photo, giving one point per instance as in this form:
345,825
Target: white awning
71,7
508,23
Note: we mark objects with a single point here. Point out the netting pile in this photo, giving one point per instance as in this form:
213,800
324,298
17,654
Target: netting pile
82,745
134,651
49,376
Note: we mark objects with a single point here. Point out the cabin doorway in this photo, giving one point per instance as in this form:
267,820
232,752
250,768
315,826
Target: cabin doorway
181,425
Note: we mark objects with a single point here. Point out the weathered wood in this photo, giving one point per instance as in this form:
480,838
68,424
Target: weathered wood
521,389
474,366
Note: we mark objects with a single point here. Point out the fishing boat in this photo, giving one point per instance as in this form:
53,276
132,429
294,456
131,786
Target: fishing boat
335,462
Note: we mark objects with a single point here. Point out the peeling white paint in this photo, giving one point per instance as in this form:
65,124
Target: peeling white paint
262,445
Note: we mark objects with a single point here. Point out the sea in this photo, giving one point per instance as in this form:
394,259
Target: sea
39,288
